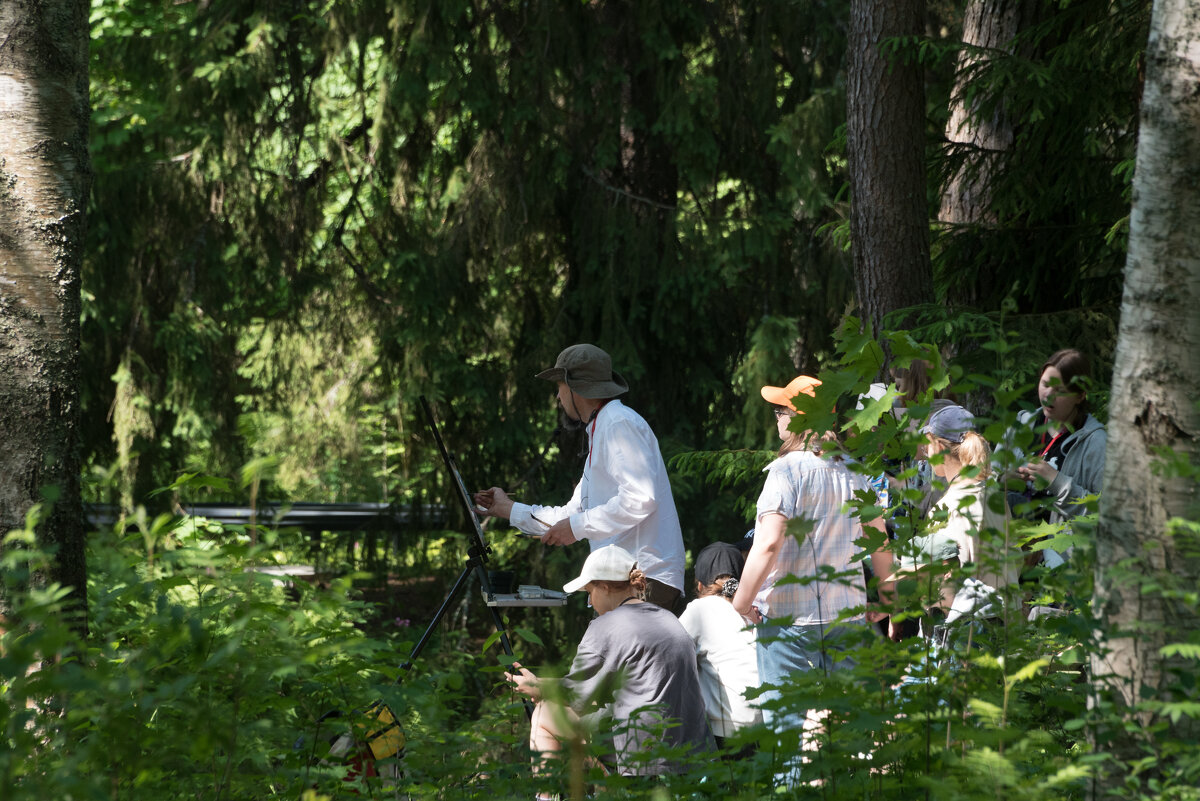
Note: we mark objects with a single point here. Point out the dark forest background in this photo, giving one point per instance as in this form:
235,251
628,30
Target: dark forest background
307,215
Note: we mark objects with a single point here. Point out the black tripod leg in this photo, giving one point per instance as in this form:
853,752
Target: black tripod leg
477,554
498,622
474,564
441,613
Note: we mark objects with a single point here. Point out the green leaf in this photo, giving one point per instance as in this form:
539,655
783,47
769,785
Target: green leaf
529,635
1027,672
196,481
1181,709
1187,650
986,709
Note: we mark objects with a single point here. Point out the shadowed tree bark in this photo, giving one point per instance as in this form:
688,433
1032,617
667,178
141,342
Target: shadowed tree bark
44,182
889,216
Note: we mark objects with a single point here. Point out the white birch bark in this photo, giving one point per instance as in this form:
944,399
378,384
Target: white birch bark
1156,380
44,179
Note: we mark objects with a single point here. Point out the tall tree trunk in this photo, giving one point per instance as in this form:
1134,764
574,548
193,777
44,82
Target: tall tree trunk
889,216
967,200
44,182
1156,382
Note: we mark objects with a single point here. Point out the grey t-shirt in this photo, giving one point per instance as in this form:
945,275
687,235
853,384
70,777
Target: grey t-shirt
637,665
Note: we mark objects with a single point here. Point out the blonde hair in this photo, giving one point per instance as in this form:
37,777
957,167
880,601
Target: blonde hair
792,442
636,583
973,451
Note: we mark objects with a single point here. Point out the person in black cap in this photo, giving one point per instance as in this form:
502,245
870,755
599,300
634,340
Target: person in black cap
724,645
624,496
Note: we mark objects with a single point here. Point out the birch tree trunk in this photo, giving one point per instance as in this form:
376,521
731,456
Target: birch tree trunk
1156,382
44,182
885,143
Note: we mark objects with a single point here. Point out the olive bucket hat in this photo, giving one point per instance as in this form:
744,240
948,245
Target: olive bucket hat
587,370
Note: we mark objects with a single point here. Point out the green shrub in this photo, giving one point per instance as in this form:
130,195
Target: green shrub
203,679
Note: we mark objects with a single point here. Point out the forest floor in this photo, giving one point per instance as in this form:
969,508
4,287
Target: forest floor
410,604
403,602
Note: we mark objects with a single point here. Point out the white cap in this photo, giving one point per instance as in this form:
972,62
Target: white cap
610,563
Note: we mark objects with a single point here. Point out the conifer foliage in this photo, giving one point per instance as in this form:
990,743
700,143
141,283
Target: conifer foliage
343,206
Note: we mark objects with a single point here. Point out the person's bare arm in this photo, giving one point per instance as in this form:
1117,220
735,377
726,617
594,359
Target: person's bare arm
525,682
882,562
768,539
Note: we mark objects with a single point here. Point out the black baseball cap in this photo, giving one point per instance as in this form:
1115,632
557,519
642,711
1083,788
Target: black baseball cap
718,559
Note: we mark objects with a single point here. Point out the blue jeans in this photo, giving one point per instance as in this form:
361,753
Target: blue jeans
784,650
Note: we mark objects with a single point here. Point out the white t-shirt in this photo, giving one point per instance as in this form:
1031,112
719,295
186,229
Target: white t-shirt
727,662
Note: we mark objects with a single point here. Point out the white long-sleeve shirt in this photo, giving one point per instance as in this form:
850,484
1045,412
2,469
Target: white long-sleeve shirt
624,497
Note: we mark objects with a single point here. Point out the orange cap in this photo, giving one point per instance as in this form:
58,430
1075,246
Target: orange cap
782,396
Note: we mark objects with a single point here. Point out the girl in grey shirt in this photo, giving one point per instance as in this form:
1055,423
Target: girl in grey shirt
634,674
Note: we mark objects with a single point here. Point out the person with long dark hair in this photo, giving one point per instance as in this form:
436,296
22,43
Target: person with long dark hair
1069,444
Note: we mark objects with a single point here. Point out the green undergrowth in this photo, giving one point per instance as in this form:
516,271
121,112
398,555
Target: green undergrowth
202,678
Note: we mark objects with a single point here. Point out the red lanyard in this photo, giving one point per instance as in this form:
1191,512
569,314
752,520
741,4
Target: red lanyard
1051,445
592,437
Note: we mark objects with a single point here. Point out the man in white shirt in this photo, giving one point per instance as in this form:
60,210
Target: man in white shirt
624,497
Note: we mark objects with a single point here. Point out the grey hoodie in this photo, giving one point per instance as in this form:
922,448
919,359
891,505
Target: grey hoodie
1082,470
